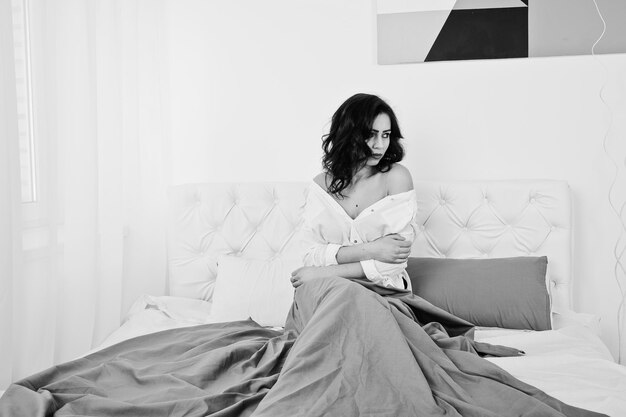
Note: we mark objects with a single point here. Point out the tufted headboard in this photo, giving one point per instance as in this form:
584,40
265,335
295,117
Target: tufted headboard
457,219
254,220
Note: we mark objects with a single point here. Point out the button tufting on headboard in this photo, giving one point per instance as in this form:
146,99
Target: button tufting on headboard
464,219
495,219
253,220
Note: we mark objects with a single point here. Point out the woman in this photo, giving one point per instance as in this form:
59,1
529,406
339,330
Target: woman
369,346
360,211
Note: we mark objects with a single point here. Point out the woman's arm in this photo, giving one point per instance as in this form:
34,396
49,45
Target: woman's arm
307,273
390,249
393,248
376,270
399,181
354,253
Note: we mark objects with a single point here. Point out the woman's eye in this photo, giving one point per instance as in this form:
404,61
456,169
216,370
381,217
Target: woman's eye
386,135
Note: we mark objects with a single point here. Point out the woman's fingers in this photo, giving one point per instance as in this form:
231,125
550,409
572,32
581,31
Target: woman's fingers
403,243
399,258
402,255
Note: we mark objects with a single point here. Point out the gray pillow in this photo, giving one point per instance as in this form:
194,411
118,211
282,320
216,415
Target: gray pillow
498,292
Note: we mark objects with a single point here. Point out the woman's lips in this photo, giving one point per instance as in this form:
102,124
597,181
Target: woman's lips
377,155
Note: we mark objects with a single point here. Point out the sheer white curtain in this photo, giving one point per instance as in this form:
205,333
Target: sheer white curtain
74,260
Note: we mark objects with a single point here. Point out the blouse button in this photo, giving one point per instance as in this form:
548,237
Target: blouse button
355,241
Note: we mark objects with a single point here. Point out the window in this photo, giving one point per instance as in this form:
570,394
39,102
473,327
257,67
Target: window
21,43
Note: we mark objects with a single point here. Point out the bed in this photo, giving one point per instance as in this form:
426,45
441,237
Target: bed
230,247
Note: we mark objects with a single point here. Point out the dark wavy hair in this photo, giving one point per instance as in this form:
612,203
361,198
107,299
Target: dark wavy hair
345,147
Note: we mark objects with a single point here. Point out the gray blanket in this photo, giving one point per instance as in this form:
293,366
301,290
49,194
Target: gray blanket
348,349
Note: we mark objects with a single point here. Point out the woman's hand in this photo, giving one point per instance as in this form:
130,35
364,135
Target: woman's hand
306,273
393,249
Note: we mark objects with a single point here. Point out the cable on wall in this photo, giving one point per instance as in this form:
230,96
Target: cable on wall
617,253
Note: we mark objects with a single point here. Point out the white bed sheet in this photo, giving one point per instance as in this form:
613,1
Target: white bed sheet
571,363
150,314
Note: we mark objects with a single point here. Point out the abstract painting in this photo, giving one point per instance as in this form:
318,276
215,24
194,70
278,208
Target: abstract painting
448,30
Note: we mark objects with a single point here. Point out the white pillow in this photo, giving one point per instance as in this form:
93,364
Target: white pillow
254,288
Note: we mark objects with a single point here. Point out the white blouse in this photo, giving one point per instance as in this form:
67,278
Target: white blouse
327,227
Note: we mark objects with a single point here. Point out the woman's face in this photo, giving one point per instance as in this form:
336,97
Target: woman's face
378,141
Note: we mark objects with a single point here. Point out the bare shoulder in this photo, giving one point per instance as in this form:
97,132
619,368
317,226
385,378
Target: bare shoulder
399,179
320,179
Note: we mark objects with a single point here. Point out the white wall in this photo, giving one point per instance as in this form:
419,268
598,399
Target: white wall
254,84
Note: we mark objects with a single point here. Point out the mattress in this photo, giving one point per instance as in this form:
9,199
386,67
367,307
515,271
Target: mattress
571,363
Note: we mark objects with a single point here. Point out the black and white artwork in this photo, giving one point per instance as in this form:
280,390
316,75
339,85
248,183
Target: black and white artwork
424,30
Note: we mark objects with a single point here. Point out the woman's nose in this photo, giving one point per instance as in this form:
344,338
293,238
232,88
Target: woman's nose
378,142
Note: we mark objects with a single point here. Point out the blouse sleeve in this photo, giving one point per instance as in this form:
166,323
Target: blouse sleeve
317,251
321,254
